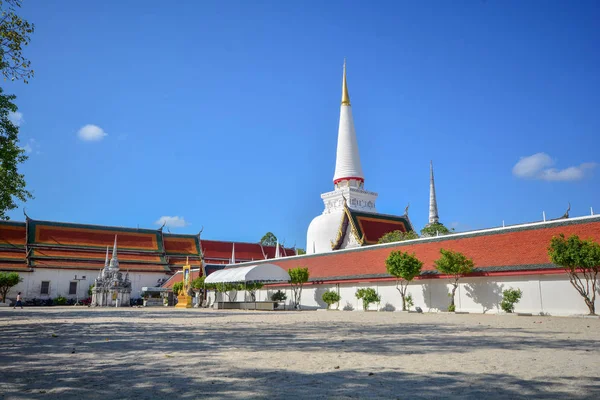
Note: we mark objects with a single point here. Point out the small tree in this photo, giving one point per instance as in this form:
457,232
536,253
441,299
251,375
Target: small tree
252,287
90,289
578,258
279,296
405,267
398,236
298,277
177,287
269,239
434,230
330,297
227,288
368,296
8,280
198,283
510,297
456,265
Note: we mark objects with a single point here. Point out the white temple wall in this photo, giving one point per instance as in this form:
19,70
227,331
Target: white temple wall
60,280
548,294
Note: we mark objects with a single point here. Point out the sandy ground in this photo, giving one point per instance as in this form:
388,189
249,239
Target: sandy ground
156,353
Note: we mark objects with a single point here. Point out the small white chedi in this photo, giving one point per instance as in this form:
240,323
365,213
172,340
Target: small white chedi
111,288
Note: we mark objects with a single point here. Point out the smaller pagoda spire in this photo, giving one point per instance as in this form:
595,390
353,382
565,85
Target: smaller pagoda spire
277,255
433,210
114,261
106,261
232,254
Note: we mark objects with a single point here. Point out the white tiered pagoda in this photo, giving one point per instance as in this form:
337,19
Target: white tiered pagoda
350,218
111,288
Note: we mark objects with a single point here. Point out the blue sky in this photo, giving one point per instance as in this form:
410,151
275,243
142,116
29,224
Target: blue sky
225,113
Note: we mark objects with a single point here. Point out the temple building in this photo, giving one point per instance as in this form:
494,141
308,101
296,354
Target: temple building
350,218
63,259
111,288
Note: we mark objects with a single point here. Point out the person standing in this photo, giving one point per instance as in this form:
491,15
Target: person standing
18,303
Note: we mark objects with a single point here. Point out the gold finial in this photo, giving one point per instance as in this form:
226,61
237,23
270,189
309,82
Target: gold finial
345,96
187,261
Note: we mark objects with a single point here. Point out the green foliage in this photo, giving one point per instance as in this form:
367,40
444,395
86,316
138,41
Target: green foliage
405,267
456,265
278,296
398,236
510,297
298,277
12,183
434,230
331,297
269,239
452,308
177,287
409,301
14,36
252,287
368,296
198,283
579,258
90,289
226,288
8,280
60,301
300,251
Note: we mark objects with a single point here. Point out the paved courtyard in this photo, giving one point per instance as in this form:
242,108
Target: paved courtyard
81,353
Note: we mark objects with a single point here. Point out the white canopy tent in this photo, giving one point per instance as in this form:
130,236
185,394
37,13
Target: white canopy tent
253,273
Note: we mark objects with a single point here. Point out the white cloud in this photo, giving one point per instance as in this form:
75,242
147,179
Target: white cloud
538,166
172,222
16,118
30,146
91,133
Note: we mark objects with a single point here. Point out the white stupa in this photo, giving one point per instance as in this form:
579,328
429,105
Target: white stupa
349,205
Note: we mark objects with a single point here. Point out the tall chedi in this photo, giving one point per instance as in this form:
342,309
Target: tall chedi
433,227
433,211
340,226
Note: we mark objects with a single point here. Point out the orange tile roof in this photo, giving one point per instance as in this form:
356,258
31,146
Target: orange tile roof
519,246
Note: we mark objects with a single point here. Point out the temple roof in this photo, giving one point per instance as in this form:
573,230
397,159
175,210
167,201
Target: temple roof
47,244
368,227
220,252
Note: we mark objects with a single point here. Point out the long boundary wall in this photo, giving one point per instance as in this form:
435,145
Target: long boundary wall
542,295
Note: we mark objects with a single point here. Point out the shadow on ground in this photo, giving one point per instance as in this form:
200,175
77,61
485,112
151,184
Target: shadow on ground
77,354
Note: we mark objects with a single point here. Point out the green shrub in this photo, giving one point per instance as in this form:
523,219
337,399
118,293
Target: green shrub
368,296
451,308
177,287
330,297
409,301
278,296
90,289
60,301
510,297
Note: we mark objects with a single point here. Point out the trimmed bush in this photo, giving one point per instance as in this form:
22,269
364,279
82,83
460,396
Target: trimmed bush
510,297
368,296
330,297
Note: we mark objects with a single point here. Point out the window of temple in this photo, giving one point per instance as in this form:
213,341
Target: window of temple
72,287
45,287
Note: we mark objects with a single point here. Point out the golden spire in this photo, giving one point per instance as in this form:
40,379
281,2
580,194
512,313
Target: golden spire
345,96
